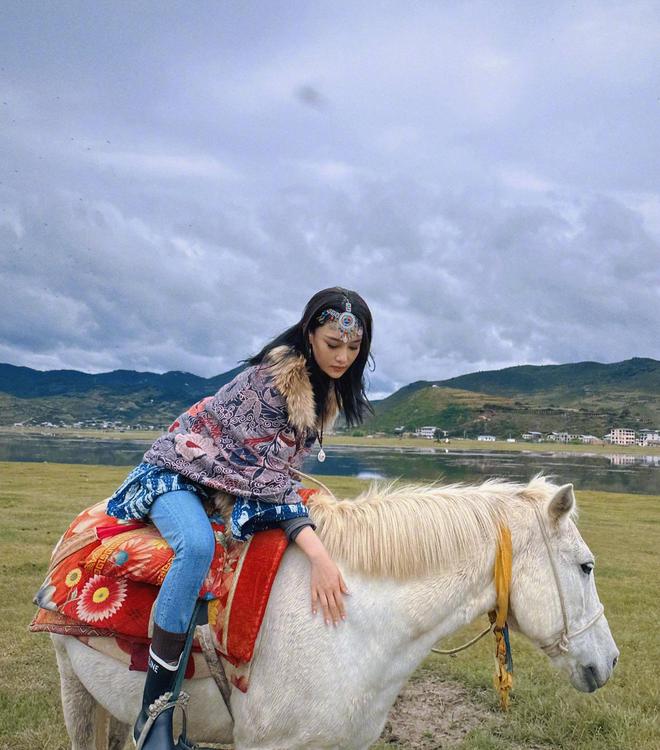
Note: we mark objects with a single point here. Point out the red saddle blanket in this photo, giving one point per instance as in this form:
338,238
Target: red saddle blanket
104,575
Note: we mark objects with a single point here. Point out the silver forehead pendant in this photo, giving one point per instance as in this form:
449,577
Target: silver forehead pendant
321,455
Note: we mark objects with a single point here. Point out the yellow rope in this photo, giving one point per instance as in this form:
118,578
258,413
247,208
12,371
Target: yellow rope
503,679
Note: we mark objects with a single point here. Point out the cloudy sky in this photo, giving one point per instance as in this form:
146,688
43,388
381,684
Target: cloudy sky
177,179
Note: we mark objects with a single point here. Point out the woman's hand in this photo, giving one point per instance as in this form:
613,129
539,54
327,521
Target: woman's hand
326,580
327,589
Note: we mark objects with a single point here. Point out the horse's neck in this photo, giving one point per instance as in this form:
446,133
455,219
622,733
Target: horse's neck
442,604
406,618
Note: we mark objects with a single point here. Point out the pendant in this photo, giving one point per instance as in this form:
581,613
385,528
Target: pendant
321,455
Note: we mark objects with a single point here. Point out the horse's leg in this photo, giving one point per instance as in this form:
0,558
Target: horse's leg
83,717
111,734
118,734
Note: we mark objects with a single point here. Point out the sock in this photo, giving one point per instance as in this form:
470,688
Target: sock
166,664
166,647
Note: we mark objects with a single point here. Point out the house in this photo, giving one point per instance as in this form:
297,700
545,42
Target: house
563,437
648,437
620,436
488,438
425,432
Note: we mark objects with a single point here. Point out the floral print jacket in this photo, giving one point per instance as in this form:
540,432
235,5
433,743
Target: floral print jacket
244,440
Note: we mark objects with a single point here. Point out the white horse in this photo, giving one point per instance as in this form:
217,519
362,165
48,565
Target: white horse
418,562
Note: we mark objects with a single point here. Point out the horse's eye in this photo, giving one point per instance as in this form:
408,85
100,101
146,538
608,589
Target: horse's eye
587,568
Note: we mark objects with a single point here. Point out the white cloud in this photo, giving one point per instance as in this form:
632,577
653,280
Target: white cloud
481,175
168,166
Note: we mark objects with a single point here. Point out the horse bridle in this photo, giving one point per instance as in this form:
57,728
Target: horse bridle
560,644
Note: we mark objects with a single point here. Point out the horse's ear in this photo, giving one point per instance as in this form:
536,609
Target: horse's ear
562,502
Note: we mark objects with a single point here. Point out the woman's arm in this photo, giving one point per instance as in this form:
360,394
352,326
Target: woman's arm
327,582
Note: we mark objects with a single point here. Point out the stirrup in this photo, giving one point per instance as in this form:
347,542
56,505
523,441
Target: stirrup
183,742
156,709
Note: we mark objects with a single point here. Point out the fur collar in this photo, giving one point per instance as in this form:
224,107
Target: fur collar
291,378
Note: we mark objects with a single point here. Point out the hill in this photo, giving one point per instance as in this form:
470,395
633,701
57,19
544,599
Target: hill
582,397
123,397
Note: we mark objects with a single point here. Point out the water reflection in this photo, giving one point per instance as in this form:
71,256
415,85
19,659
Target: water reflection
611,472
71,450
636,474
623,460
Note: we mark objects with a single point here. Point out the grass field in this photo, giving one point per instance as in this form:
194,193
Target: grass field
496,445
38,501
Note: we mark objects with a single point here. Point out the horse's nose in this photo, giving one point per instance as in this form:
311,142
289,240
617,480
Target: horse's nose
591,676
615,661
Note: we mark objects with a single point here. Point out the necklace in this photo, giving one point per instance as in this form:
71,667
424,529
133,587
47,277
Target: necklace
321,454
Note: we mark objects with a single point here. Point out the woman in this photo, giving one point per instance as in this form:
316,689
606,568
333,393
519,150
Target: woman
243,442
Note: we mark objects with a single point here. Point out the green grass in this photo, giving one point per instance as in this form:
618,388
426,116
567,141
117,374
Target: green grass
496,445
38,501
88,433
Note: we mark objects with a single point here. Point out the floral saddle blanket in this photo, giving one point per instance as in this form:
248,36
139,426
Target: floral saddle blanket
103,580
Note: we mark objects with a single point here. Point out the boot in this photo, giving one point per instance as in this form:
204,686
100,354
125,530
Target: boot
161,676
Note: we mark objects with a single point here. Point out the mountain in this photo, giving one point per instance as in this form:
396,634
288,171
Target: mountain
632,374
586,397
122,396
27,383
582,397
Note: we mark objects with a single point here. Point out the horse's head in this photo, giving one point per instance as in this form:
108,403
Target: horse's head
554,601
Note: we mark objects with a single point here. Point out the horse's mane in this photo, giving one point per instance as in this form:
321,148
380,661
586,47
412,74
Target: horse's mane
411,530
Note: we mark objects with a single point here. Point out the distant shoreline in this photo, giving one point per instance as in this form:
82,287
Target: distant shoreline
455,444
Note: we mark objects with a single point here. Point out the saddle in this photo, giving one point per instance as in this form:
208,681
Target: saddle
103,580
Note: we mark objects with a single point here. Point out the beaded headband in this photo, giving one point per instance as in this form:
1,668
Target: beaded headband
346,323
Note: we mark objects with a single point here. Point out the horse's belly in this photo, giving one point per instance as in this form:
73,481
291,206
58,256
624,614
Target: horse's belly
119,691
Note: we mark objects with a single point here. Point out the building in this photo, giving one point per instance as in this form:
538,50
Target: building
425,432
620,436
563,437
591,439
532,435
648,437
488,438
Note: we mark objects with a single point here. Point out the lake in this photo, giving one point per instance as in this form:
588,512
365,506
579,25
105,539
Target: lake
613,473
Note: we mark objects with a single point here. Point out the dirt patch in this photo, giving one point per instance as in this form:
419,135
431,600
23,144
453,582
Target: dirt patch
432,713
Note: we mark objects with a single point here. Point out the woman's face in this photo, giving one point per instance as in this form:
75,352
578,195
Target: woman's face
332,355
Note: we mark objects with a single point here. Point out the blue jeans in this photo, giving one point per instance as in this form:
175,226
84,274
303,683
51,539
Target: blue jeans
180,518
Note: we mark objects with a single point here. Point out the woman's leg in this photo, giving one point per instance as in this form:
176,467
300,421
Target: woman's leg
181,519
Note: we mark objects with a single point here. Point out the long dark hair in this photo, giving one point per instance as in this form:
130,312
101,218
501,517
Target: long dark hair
350,387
